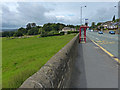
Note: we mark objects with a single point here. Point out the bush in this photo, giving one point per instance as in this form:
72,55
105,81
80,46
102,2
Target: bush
44,35
17,34
69,32
56,34
62,33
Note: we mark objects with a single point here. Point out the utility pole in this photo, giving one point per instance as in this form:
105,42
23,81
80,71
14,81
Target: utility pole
81,15
119,17
81,12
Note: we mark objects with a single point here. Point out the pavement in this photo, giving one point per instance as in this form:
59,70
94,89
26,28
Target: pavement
94,68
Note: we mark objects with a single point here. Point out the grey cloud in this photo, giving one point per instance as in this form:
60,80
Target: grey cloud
33,12
9,18
42,13
26,12
103,14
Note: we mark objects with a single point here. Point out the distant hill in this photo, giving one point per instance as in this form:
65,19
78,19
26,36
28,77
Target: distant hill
8,30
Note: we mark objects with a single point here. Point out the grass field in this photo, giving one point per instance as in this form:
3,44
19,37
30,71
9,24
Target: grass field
23,57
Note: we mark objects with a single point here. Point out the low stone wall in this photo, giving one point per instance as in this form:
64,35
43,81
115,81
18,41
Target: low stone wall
56,73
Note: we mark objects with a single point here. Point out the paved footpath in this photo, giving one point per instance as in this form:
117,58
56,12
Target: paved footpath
94,68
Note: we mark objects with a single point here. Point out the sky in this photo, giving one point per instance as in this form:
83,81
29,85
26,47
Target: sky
18,14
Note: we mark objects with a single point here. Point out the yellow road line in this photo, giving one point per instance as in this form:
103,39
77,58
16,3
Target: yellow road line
116,59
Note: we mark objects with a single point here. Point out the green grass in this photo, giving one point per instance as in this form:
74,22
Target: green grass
23,57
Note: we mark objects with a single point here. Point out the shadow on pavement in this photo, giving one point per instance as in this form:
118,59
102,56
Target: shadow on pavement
78,79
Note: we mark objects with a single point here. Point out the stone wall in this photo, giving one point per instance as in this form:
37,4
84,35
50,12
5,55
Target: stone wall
56,73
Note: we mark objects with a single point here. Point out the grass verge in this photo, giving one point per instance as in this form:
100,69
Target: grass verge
22,57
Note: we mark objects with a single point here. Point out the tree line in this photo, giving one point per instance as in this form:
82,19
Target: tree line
46,29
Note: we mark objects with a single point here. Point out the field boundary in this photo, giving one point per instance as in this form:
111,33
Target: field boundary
56,73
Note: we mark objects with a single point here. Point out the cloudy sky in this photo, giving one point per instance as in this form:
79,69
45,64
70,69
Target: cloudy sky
18,14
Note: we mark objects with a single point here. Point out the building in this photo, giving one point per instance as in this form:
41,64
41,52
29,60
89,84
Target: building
65,29
73,29
109,25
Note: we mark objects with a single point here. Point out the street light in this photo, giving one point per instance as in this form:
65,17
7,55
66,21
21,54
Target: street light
115,6
81,13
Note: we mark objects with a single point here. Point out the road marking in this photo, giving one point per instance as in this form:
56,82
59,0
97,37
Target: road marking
105,42
116,59
98,41
97,38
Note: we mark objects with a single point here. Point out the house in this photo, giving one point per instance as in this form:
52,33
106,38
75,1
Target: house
73,29
115,25
65,29
109,25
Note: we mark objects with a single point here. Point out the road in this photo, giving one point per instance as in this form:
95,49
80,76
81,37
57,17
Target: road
94,68
107,41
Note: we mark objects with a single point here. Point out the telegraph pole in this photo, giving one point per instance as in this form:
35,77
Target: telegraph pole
81,12
119,9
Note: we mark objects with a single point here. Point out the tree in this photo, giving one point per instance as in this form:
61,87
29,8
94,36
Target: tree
28,26
5,34
98,24
71,26
11,33
22,30
40,31
17,34
113,18
47,27
30,32
61,27
117,20
77,27
93,25
33,31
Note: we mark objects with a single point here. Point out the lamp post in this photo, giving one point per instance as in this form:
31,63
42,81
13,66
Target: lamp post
115,6
119,17
81,13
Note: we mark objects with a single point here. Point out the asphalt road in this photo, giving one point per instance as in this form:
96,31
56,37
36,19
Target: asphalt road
93,67
107,41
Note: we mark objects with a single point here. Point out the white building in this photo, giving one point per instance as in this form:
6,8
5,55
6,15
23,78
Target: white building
65,29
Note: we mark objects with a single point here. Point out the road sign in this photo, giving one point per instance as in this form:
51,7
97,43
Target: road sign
86,22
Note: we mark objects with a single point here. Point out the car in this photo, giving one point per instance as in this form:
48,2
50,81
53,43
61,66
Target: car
111,32
100,32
